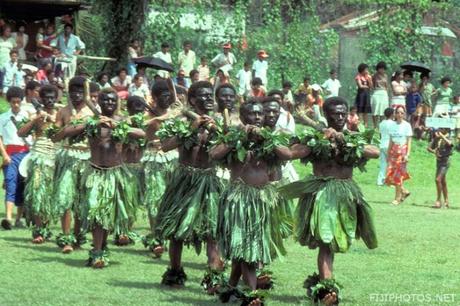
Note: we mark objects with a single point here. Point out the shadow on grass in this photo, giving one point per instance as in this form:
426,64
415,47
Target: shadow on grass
18,239
38,248
434,209
71,262
153,285
288,299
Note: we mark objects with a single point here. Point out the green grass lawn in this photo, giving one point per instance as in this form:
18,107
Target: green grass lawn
417,256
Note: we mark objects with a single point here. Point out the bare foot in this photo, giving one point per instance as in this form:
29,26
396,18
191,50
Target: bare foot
123,240
67,249
38,240
264,282
256,302
437,204
330,299
158,251
396,202
446,204
98,264
212,290
405,195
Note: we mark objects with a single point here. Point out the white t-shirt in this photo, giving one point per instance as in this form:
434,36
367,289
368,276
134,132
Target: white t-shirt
244,86
332,86
187,61
8,130
286,121
384,128
260,70
167,58
400,132
142,91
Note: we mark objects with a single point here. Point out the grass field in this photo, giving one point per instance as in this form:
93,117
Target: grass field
417,258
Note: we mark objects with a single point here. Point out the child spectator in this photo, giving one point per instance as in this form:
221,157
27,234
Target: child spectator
441,146
11,72
288,97
244,78
384,128
138,88
194,76
413,99
332,85
203,69
13,149
121,83
256,88
353,119
103,80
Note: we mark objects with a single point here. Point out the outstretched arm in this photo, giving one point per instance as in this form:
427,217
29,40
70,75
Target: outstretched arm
71,131
136,133
169,144
220,151
295,151
371,151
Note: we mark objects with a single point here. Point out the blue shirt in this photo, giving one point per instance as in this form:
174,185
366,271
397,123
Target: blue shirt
412,100
74,43
12,76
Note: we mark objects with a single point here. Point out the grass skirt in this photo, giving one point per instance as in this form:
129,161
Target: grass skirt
68,186
111,198
158,167
39,184
189,207
331,211
250,223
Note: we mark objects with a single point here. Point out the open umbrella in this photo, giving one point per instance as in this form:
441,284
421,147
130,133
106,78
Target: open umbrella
153,62
416,66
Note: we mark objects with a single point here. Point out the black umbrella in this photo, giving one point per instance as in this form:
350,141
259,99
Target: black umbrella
153,62
416,66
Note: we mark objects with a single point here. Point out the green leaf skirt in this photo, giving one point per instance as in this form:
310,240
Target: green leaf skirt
111,196
68,187
158,168
331,211
253,222
189,207
39,183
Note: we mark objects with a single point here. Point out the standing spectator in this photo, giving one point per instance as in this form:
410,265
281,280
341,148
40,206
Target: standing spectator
121,83
11,74
166,56
194,76
413,99
45,43
398,90
134,51
332,85
103,80
363,98
256,88
7,43
13,149
203,69
304,88
187,58
426,90
441,146
398,155
138,88
70,45
226,59
244,78
287,86
384,128
260,67
379,99
443,97
353,119
181,80
22,39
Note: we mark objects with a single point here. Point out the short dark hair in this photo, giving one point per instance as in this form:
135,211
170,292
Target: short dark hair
307,78
138,76
269,99
353,107
424,75
334,101
100,75
332,71
226,85
158,87
256,81
446,79
195,86
14,92
247,63
388,112
275,92
133,99
186,42
362,67
381,65
244,108
14,51
94,87
68,25
287,84
48,88
165,45
77,81
122,69
193,72
409,73
31,85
